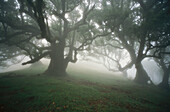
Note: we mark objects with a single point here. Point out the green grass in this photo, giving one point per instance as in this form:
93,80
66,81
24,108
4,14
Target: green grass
82,91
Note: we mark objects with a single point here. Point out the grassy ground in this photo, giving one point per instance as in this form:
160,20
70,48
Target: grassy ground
83,90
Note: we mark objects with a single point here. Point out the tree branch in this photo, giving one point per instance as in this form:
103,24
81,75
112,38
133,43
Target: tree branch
8,37
165,52
83,20
26,28
85,43
36,59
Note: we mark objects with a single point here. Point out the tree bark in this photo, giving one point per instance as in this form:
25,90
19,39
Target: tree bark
141,75
165,81
57,66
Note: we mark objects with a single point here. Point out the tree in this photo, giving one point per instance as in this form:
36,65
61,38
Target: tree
109,53
8,52
152,33
137,29
64,24
119,18
164,63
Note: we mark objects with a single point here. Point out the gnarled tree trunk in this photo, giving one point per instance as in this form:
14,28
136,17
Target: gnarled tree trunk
165,81
141,75
57,66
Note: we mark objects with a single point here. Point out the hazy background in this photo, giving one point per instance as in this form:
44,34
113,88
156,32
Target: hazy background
150,66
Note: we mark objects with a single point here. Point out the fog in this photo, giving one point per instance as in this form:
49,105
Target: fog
14,67
154,72
80,64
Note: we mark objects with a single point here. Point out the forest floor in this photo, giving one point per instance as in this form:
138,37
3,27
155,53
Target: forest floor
81,91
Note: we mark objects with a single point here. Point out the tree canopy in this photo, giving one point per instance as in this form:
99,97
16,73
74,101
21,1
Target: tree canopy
120,32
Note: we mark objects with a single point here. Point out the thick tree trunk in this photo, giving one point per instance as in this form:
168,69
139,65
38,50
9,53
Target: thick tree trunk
165,81
141,75
57,66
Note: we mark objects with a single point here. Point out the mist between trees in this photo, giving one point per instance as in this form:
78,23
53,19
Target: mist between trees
116,33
